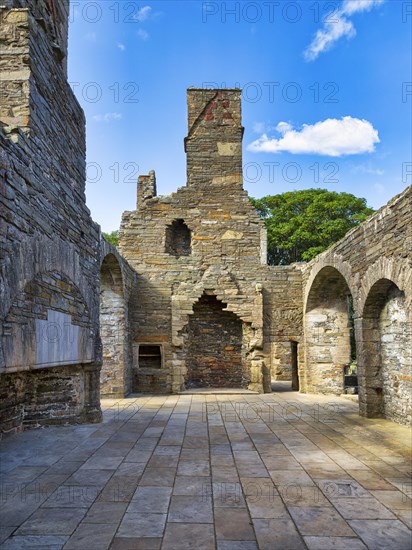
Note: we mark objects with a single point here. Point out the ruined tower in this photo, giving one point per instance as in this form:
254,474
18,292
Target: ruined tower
200,256
213,145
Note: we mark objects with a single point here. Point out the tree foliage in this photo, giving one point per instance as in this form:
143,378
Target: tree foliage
301,224
112,238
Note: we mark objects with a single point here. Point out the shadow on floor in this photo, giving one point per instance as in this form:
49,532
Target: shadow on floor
281,386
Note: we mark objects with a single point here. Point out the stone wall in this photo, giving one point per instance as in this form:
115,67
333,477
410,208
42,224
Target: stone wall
372,266
396,365
283,318
117,284
207,238
50,347
46,396
53,16
213,144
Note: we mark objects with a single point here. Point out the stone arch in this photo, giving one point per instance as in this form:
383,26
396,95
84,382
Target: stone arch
393,269
327,326
48,324
385,382
251,317
215,355
48,367
52,255
183,302
113,375
343,267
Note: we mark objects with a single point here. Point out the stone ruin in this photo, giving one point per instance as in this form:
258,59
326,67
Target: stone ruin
187,300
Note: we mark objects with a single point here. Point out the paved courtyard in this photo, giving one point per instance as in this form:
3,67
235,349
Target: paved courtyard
219,471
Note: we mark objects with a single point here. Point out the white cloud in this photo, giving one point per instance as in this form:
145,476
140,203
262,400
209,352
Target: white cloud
142,14
330,137
107,117
284,127
337,25
121,46
142,34
354,6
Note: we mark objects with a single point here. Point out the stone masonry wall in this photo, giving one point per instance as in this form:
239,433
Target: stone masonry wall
214,347
214,142
53,15
117,284
226,257
282,319
374,261
327,325
169,285
395,336
49,274
45,396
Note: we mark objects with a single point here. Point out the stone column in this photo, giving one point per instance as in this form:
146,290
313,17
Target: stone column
92,411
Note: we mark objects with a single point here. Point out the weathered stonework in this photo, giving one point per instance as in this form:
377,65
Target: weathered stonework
188,300
50,352
372,264
214,347
202,246
117,283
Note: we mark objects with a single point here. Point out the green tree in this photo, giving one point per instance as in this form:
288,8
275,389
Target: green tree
112,238
301,224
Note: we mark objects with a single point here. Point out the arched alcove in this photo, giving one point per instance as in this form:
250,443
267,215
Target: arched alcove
386,358
328,328
47,340
214,352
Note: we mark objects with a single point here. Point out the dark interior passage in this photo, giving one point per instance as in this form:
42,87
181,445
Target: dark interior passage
294,360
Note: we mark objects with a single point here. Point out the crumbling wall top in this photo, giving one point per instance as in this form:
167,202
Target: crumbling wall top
54,16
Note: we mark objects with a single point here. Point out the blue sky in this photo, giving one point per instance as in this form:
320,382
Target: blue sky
326,98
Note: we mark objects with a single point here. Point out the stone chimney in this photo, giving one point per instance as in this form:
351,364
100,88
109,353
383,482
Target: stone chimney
146,188
214,141
53,16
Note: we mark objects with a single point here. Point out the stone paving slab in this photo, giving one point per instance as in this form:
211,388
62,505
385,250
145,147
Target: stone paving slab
211,470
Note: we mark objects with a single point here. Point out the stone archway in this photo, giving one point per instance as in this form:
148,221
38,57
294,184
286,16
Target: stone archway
214,351
112,328
327,332
386,357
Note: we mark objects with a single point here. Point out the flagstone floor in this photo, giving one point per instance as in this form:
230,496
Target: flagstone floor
211,471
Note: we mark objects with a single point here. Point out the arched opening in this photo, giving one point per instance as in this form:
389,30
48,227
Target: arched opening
385,366
330,344
112,328
178,239
214,354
